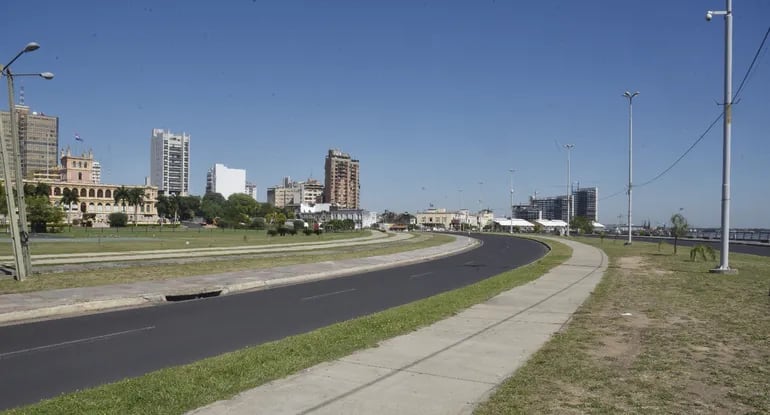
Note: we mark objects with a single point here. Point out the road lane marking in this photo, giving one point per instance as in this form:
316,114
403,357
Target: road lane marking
70,342
421,275
327,294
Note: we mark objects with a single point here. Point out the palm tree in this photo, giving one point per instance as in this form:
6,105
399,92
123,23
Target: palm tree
135,198
679,228
68,197
121,194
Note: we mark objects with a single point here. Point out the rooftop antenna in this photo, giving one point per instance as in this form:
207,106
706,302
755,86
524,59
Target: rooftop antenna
21,95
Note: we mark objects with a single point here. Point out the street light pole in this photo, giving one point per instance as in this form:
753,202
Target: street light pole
727,119
478,215
20,232
630,97
511,170
569,148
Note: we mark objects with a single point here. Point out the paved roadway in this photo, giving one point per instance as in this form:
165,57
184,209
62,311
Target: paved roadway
735,246
43,359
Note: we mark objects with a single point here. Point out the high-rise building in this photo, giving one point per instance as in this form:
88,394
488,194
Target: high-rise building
282,195
170,162
251,190
342,188
225,181
586,202
38,142
96,172
309,192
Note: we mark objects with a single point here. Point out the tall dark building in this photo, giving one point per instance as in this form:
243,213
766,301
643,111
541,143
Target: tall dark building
586,202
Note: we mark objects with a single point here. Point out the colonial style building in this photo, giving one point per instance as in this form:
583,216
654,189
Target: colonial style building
99,199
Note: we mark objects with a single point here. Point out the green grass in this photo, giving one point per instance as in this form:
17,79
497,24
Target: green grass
695,342
183,388
82,240
137,271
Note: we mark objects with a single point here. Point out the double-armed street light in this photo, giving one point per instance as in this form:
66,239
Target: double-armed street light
17,221
727,119
630,97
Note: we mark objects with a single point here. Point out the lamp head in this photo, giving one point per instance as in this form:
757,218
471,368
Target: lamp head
709,15
31,46
46,75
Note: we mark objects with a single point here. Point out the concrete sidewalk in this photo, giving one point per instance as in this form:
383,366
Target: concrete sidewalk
446,368
68,301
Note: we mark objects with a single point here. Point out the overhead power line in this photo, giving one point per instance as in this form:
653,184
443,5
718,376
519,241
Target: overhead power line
710,127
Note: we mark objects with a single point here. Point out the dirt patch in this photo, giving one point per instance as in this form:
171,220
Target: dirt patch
624,344
631,262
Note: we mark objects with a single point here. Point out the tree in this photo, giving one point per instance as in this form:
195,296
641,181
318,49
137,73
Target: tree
163,206
40,213
582,224
135,198
538,227
212,206
679,228
240,208
68,197
121,194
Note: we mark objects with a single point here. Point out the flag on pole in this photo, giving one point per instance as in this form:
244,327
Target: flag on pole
77,137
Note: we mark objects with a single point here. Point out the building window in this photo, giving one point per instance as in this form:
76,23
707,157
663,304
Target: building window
80,176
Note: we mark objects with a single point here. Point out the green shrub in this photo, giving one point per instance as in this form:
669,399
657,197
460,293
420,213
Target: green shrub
118,219
272,232
706,252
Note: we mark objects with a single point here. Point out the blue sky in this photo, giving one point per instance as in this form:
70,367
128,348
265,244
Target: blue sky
432,97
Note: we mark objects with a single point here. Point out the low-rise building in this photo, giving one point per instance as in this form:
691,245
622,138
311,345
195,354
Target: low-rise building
96,198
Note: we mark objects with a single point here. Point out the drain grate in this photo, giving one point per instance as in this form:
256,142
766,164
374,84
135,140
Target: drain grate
185,297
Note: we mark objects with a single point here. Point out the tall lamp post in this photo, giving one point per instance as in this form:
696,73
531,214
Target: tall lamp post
18,224
630,97
511,170
727,119
569,148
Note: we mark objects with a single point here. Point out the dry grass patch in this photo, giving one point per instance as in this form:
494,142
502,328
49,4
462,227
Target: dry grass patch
659,335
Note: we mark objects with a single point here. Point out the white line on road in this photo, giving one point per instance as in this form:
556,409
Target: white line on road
420,275
67,343
327,294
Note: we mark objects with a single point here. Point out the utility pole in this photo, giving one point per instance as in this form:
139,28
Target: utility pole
569,148
511,170
727,119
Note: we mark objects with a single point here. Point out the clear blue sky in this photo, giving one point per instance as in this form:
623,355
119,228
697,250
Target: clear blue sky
431,96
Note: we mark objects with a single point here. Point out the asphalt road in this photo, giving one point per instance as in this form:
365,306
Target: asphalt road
735,246
44,359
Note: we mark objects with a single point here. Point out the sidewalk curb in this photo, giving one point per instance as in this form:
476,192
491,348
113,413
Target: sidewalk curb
159,298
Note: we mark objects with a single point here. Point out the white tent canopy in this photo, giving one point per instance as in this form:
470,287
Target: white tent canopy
521,223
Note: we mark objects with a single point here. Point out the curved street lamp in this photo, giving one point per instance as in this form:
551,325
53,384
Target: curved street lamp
18,224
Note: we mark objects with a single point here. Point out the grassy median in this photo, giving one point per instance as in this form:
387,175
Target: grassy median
183,388
134,271
660,334
85,240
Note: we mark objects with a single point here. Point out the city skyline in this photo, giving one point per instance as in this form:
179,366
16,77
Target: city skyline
434,97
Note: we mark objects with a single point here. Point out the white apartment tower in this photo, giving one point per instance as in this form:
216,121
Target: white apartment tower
170,162
225,181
